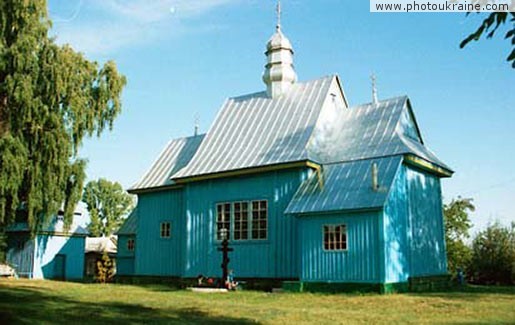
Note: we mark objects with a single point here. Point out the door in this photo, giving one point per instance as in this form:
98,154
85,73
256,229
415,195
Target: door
60,267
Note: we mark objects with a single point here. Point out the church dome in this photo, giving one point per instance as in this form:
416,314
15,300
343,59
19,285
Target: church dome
278,41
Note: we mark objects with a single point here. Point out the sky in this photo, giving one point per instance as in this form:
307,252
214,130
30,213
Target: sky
182,58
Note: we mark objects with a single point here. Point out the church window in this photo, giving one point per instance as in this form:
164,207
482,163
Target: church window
335,237
130,245
165,229
223,219
259,219
241,220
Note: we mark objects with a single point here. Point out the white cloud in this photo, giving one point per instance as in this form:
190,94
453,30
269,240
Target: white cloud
103,26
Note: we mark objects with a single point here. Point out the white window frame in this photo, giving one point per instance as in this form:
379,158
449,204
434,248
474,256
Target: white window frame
247,216
335,242
230,220
165,230
226,220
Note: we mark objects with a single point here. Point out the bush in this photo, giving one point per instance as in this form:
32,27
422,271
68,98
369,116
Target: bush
493,255
105,269
457,225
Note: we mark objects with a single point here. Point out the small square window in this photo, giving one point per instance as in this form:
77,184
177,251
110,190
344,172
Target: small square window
335,237
130,245
165,229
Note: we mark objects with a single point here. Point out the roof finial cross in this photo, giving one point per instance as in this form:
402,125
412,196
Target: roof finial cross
374,88
279,11
197,122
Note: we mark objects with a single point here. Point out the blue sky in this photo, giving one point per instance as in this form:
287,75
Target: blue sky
184,57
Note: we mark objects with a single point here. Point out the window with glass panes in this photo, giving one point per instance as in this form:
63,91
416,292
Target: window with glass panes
165,229
259,219
223,219
241,220
130,244
335,237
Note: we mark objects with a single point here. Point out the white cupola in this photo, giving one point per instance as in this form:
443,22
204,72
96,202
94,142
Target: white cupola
279,73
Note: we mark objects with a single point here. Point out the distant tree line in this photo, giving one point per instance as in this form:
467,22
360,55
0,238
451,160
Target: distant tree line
489,258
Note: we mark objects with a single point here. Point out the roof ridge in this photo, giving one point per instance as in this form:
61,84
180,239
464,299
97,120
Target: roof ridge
403,97
187,137
362,159
263,92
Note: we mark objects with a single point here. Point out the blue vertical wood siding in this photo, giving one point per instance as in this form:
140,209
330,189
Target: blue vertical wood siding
428,254
387,245
155,255
125,257
414,243
20,253
275,257
48,246
360,263
396,232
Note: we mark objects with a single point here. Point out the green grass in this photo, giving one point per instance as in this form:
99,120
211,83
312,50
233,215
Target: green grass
37,302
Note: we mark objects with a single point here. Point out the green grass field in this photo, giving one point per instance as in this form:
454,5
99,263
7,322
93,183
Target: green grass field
36,302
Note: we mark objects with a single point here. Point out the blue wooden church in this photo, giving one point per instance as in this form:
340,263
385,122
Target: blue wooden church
309,190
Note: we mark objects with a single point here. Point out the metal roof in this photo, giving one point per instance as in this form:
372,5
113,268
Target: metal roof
56,225
101,244
368,131
256,130
346,186
176,155
129,227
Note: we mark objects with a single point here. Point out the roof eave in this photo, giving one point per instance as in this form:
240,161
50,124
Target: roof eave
426,165
154,189
248,171
324,212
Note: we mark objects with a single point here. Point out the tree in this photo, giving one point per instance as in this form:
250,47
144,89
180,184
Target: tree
490,25
51,97
493,255
457,225
107,204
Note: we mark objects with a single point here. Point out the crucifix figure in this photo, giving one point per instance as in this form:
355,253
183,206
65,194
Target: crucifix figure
225,249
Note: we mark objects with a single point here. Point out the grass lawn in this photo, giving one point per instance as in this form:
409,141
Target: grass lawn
36,302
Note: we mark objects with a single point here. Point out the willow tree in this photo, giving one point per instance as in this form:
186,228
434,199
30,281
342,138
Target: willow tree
51,97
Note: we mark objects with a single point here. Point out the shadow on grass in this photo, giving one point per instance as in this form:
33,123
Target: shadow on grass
31,306
469,292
